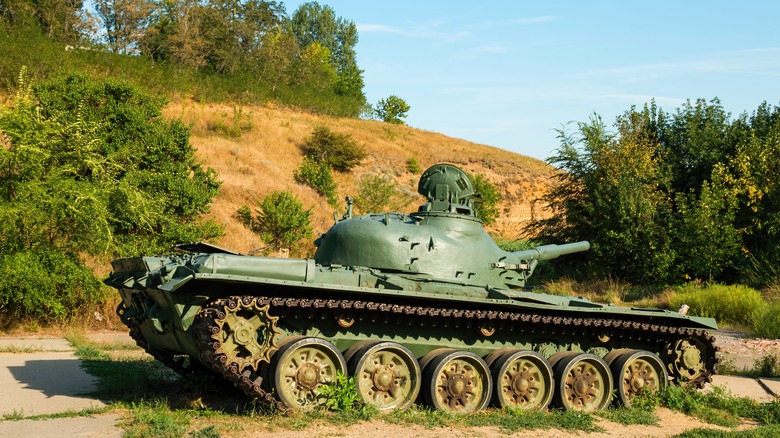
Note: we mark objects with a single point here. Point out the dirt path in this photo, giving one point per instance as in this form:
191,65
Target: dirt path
670,423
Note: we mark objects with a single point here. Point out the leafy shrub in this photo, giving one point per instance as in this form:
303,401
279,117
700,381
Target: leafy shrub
412,166
92,166
281,220
341,394
46,285
376,194
733,304
338,151
488,197
317,175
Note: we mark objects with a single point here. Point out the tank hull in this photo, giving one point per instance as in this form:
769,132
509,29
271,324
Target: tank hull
189,309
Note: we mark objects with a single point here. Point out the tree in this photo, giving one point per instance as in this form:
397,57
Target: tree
704,233
312,23
281,220
608,194
124,22
60,20
392,109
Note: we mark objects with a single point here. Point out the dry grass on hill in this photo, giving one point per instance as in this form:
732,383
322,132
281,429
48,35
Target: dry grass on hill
263,159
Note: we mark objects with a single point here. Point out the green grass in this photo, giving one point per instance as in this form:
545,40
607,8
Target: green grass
506,420
158,402
758,432
87,412
21,349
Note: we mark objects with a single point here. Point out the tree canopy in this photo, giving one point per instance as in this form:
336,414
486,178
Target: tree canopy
671,197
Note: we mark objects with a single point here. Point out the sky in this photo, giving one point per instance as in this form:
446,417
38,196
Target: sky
511,74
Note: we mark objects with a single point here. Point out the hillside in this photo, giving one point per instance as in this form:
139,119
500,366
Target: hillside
263,158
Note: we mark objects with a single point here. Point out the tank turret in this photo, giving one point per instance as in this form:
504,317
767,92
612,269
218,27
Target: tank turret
419,307
443,240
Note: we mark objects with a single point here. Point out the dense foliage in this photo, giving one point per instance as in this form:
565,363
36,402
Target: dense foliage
671,197
393,109
90,167
318,175
280,221
339,151
488,197
307,59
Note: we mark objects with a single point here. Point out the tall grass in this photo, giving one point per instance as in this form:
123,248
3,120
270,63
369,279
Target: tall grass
732,304
765,320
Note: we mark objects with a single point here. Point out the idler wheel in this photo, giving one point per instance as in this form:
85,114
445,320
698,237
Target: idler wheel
387,375
300,367
583,381
521,380
636,372
457,382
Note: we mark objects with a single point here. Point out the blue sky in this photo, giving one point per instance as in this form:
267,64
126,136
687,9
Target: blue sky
509,73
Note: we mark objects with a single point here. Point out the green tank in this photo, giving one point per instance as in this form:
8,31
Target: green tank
421,307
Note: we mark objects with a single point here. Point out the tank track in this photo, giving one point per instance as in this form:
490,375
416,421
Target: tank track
250,382
325,309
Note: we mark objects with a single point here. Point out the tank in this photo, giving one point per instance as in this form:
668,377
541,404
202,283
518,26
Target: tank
421,307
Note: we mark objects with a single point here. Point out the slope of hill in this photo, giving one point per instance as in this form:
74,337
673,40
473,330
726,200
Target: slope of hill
262,159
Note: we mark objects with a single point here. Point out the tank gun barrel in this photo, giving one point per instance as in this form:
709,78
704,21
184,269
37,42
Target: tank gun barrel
552,251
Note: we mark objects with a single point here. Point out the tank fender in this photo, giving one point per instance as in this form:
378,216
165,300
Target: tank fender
227,266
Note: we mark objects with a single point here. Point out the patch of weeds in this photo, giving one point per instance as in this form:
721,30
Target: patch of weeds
16,349
757,432
232,127
419,415
364,412
207,432
155,420
508,420
341,393
716,407
295,421
768,413
14,416
514,420
764,366
88,412
628,416
341,397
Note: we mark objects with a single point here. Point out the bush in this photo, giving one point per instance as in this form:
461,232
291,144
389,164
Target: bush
376,194
412,166
338,151
92,166
734,304
46,286
317,175
281,221
486,203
